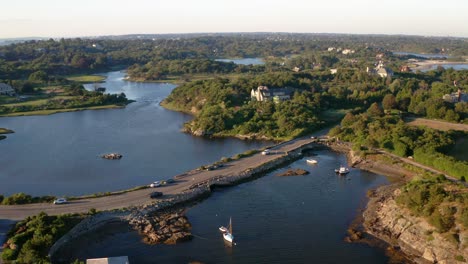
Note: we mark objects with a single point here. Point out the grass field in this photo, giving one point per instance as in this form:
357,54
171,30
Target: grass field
40,100
87,78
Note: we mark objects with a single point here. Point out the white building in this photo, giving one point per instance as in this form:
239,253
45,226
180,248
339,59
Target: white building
380,70
456,97
263,93
348,51
6,89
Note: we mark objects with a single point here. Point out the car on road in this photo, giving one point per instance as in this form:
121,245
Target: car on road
169,181
266,152
155,195
155,184
60,201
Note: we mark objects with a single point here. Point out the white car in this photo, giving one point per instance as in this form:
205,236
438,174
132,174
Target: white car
60,201
266,152
155,184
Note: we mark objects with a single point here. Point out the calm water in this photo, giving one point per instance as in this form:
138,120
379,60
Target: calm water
245,61
427,56
300,219
59,154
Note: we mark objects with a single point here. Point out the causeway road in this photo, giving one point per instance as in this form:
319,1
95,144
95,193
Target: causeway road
182,183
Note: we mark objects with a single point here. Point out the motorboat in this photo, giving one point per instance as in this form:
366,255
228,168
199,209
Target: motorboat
342,170
312,161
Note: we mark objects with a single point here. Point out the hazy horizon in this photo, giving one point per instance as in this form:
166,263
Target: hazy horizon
87,18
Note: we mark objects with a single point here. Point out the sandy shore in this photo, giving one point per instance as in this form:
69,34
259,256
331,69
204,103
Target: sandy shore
427,64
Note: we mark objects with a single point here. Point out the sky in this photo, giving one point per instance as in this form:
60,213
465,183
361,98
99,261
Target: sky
73,18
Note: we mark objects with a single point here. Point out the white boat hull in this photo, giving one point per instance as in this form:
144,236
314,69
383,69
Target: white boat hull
228,237
312,161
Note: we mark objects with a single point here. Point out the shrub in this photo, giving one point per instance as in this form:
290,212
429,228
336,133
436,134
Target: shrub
1,198
442,221
18,198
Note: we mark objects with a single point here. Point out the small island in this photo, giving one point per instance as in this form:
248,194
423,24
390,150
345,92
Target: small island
5,131
293,172
112,156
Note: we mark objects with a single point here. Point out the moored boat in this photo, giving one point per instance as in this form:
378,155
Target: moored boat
312,161
228,236
342,170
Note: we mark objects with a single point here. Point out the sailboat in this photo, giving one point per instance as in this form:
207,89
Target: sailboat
228,236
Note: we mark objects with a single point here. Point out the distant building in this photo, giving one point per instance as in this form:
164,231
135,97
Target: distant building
331,48
333,71
263,93
348,51
405,68
456,97
112,260
380,70
296,69
6,89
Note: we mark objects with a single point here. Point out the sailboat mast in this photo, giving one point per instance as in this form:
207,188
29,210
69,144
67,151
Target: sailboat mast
230,225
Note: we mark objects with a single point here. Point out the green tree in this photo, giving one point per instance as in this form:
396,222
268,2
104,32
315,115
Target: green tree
389,102
375,110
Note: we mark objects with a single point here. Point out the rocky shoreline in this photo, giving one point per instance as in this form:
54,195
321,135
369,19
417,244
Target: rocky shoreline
169,227
404,237
413,235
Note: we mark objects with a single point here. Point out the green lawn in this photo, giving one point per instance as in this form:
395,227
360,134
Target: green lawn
40,100
87,78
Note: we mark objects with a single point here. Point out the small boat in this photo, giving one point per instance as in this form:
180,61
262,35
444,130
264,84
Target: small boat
311,161
228,236
342,170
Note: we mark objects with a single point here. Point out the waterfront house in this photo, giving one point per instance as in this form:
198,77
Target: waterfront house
6,89
263,93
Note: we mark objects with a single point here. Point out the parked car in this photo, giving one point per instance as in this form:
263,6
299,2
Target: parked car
155,194
169,181
60,201
266,152
155,184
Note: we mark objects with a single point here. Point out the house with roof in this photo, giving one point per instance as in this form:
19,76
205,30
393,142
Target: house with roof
6,89
263,93
456,97
380,70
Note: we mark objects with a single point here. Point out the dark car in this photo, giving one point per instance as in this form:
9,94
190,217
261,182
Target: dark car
169,181
155,194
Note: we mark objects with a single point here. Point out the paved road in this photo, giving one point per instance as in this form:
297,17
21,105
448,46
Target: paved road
140,197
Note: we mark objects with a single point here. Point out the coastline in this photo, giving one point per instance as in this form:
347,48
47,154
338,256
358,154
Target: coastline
404,237
56,111
135,215
427,64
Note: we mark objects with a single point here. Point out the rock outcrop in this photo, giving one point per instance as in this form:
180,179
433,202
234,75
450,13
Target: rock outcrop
293,172
386,220
163,228
112,156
